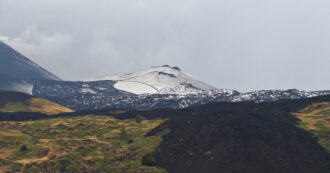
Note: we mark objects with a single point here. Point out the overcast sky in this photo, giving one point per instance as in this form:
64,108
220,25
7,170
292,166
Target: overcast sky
236,44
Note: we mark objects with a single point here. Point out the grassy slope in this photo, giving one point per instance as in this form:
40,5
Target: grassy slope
35,105
91,143
316,119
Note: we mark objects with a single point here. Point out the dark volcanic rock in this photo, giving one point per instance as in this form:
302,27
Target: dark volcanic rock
241,137
103,95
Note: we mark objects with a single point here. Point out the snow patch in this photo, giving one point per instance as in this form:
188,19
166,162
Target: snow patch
87,90
101,88
135,87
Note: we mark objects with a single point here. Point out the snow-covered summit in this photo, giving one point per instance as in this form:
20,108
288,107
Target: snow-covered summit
159,80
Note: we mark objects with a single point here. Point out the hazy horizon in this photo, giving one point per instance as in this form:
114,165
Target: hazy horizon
237,45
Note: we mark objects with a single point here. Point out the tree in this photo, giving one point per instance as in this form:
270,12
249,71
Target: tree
148,160
139,118
123,134
23,148
130,141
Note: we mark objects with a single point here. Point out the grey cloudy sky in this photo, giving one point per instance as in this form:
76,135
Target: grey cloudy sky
237,44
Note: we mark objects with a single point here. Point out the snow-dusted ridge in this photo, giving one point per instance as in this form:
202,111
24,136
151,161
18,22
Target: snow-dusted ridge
154,87
103,95
158,80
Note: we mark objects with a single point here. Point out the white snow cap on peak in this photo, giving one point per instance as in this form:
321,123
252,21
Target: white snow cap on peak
158,80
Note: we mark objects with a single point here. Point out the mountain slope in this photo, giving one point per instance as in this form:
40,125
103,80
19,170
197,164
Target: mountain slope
20,102
16,65
158,80
88,144
8,83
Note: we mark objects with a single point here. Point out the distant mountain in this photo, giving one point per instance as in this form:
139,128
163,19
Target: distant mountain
16,65
104,95
154,87
158,80
16,69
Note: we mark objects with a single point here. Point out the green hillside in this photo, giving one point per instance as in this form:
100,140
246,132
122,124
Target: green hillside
85,143
316,119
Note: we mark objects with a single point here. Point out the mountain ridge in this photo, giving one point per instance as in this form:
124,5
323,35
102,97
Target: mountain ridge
15,64
154,87
103,95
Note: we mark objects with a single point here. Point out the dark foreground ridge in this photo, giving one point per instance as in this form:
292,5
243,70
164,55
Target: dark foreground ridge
282,105
241,137
228,137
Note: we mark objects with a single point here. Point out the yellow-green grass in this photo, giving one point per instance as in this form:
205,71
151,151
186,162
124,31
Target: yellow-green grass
36,105
77,144
316,119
